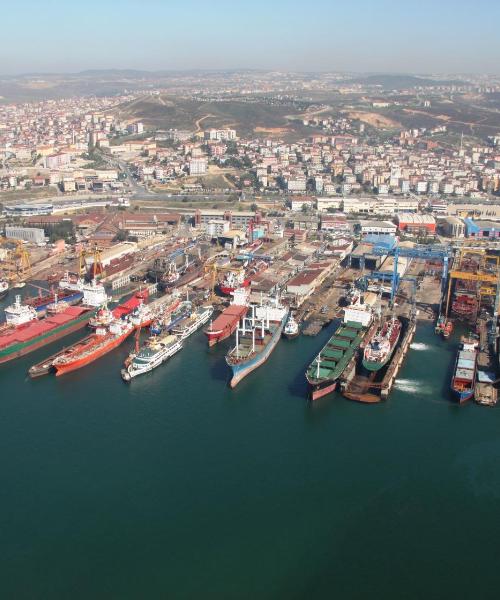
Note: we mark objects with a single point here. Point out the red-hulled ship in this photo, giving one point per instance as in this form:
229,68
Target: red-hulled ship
225,324
103,340
93,347
105,317
16,341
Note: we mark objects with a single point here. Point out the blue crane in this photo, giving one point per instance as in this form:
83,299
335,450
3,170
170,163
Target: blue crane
441,253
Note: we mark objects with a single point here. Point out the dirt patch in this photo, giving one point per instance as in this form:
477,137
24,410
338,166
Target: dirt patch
272,130
374,119
412,111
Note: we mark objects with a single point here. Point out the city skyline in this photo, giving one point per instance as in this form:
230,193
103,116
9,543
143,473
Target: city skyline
377,36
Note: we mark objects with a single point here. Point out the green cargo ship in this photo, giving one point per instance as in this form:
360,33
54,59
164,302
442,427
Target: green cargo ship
325,370
21,340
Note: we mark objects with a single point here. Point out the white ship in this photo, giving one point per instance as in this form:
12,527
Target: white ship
192,323
156,351
291,329
72,282
361,309
94,294
18,314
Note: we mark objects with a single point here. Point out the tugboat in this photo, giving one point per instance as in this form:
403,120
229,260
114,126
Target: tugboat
291,329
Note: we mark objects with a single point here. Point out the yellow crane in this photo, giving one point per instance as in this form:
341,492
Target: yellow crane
213,269
18,261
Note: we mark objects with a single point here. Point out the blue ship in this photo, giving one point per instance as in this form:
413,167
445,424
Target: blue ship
256,343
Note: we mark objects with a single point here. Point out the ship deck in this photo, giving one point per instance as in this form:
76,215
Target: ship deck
38,328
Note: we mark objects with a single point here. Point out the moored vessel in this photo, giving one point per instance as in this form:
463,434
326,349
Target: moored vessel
193,322
93,347
291,329
225,324
324,371
380,348
155,351
464,374
256,338
40,302
24,337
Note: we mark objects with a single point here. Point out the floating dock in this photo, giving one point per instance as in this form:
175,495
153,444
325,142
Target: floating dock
357,384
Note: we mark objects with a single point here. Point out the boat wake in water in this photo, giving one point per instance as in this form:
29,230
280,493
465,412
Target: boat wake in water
412,385
419,346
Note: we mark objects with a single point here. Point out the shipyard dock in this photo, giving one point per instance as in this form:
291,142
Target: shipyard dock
375,387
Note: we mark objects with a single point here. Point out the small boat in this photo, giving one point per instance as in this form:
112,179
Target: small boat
291,329
19,285
4,289
448,329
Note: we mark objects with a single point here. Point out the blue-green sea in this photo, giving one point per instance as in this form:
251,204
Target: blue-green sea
176,486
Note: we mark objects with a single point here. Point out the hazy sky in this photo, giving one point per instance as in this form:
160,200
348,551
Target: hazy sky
359,35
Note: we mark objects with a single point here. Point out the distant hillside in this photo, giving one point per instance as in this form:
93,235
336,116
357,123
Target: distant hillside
398,82
165,112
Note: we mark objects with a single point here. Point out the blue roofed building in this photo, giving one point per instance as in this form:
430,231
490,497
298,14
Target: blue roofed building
481,229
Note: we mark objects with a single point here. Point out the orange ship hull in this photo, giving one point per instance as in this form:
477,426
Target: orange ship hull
78,363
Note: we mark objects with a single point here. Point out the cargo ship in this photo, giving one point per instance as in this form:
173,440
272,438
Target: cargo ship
157,350
256,339
4,289
225,324
40,303
93,347
29,333
464,375
323,373
381,347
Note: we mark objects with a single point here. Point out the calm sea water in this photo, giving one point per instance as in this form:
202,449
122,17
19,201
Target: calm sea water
176,486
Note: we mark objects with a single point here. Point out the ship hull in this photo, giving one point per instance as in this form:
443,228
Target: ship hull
9,354
241,370
214,337
376,366
227,291
318,391
84,361
70,299
462,396
129,374
225,324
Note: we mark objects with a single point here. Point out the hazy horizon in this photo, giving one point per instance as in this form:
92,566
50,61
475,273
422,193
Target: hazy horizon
381,36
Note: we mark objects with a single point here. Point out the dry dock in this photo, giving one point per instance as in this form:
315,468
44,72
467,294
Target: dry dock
358,385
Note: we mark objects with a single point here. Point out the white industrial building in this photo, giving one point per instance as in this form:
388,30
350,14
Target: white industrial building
33,235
